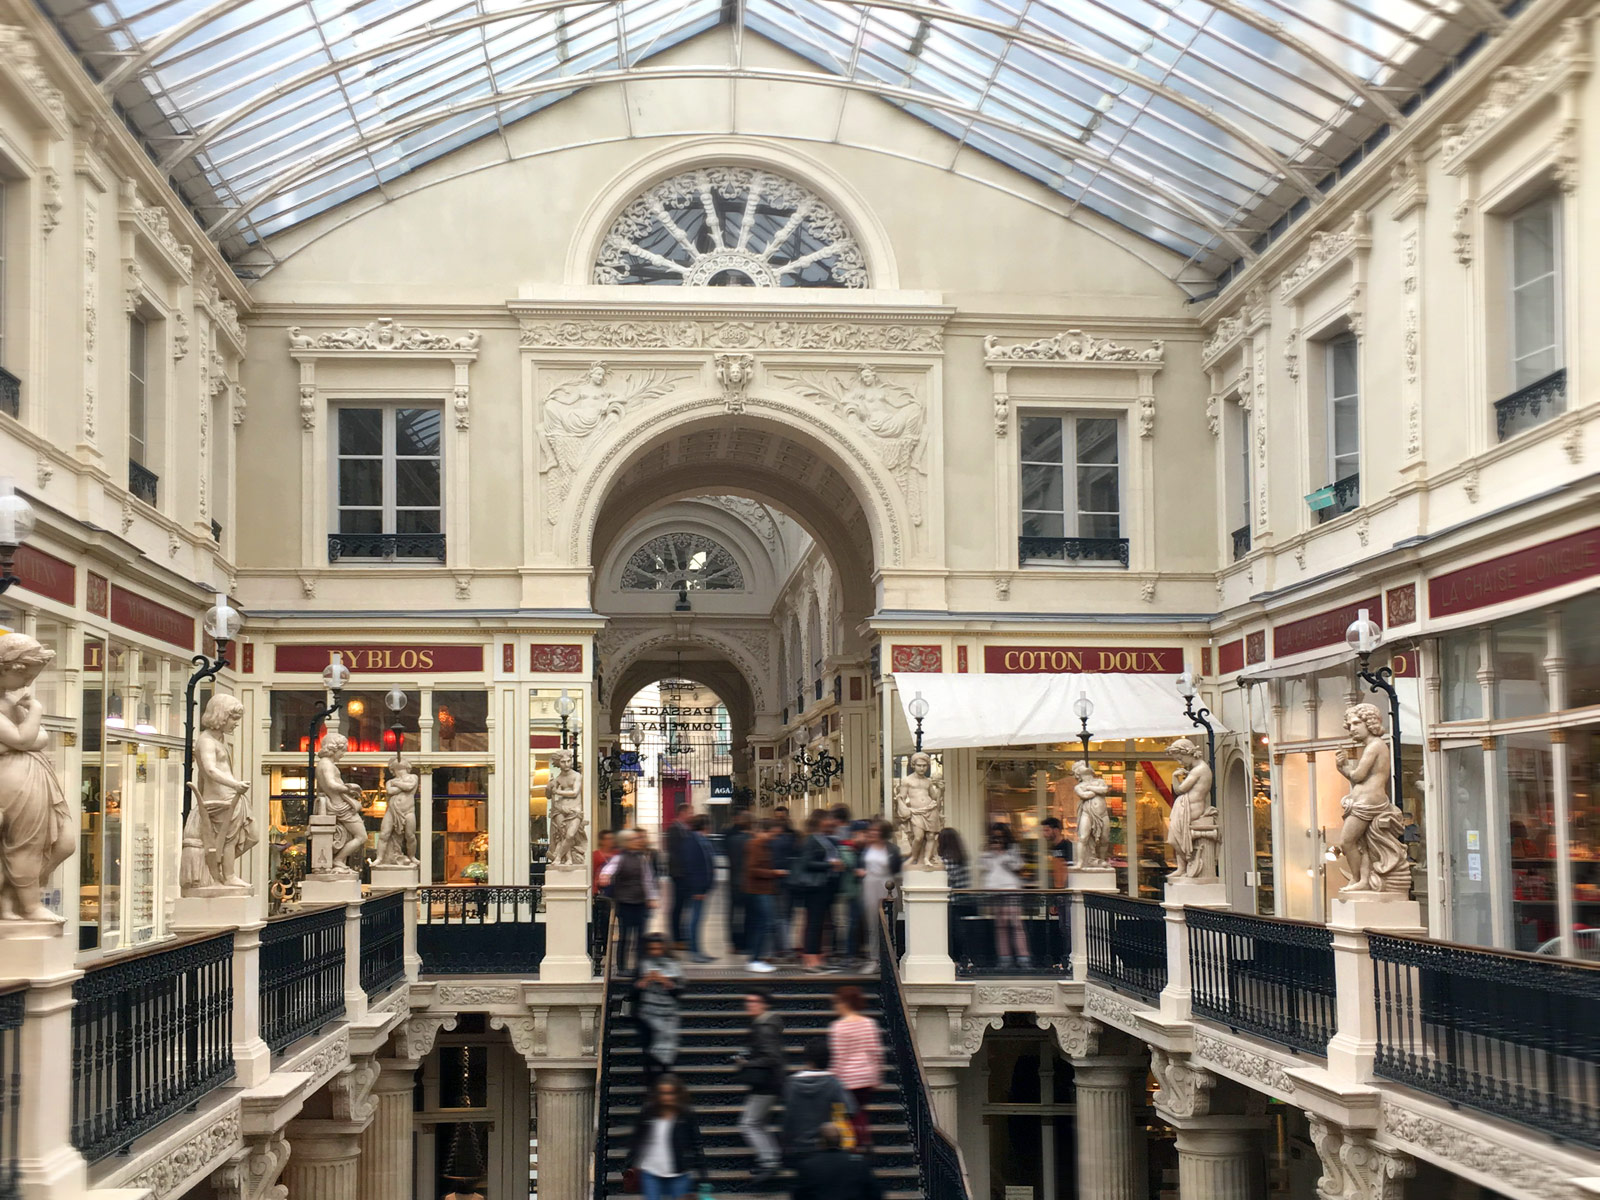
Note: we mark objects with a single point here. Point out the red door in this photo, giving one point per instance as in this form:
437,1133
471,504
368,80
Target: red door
674,795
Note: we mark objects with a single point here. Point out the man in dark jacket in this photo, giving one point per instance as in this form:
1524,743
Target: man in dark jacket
784,844
809,1097
833,1173
676,842
699,877
733,847
761,1069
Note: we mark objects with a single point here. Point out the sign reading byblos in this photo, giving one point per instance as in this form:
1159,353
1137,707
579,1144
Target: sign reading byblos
1076,660
380,659
1512,576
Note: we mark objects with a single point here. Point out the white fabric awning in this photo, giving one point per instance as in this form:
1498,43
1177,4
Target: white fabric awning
1023,710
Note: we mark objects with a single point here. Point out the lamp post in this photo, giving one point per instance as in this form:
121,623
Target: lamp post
918,708
334,678
577,735
222,625
16,523
1083,709
565,706
395,701
1200,719
1363,637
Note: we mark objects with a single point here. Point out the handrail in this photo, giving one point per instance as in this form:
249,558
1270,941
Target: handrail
941,1169
1578,964
602,1067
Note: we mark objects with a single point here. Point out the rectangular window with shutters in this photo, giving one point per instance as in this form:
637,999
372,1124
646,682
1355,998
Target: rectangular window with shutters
1071,489
388,484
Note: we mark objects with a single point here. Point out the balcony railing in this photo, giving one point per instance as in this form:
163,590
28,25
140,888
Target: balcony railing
1241,542
1346,498
1010,933
12,1003
1054,549
143,483
1531,405
11,405
216,532
151,1034
1509,1034
1263,976
383,943
302,974
479,929
602,929
1127,943
386,547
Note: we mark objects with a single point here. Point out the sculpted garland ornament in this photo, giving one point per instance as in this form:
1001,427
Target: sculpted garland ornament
730,227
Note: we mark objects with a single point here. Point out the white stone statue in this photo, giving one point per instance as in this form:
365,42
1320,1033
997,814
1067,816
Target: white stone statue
1094,816
341,802
919,813
397,837
37,833
220,828
1192,831
1371,852
569,843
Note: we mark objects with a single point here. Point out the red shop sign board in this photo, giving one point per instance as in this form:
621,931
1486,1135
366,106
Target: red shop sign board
1512,576
46,574
380,659
1082,660
135,612
1324,629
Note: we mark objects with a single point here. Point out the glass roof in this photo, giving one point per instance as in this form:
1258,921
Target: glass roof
1198,124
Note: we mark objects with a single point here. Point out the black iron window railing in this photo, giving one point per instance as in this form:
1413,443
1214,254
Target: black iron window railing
12,1003
1531,405
151,1034
1064,549
599,933
1509,1034
939,1167
1010,933
10,394
1127,943
302,974
143,482
1241,542
479,929
383,942
216,532
1346,498
1263,976
386,547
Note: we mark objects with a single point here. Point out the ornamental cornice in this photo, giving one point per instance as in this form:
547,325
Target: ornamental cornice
153,224
1326,250
383,335
837,333
1072,347
1502,1161
1227,334
19,56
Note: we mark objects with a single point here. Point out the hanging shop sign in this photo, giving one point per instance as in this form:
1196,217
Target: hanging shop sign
721,788
367,659
1082,660
1513,576
45,574
1324,629
142,615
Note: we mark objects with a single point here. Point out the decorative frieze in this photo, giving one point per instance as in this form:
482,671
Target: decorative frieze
1072,346
1505,1161
1113,1008
692,334
384,335
1325,250
1236,1061
176,1171
1021,999
1513,89
20,56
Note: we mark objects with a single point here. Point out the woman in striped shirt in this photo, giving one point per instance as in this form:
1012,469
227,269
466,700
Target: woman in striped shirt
855,1056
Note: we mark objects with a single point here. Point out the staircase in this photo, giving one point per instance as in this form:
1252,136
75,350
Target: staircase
714,1026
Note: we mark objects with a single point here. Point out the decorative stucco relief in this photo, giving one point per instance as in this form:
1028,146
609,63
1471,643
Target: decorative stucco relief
1076,1034
155,222
252,1173
972,1031
529,1035
733,373
384,334
1228,331
418,1034
21,53
224,310
1505,1161
1113,1008
1557,64
50,202
176,1171
91,310
1021,999
752,512
1074,346
1182,1089
476,995
1326,248
1233,1060
838,336
1353,1168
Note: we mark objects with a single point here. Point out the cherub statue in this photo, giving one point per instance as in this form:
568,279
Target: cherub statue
919,812
1192,831
342,802
220,828
397,837
37,833
568,839
1372,854
1094,816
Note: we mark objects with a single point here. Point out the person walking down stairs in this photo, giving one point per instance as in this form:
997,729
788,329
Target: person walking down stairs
667,1145
656,1008
761,1069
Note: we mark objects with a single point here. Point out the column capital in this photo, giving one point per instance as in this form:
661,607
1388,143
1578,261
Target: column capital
1106,1072
315,1140
1077,1035
1354,1167
1182,1089
563,1079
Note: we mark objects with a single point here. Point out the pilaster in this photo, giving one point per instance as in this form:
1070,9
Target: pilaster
49,1167
355,996
1181,893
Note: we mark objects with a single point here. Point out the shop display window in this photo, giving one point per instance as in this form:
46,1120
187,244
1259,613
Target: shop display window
363,718
1261,823
1583,773
1580,629
1471,849
288,815
460,831
538,815
1529,794
460,721
1460,657
1521,683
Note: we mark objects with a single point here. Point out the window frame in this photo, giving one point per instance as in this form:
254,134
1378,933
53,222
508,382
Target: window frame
1071,515
139,382
389,508
1332,399
1550,204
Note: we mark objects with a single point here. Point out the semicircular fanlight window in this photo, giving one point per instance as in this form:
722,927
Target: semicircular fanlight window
682,561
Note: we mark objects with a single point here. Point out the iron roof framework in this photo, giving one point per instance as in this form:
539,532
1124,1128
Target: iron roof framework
1202,125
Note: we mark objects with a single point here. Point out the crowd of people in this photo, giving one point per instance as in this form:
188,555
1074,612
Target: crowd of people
825,1135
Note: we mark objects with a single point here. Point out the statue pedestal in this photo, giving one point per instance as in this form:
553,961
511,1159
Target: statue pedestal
393,875
320,831
1091,879
331,889
926,893
1202,893
1182,893
1375,910
34,950
1352,1049
566,925
226,908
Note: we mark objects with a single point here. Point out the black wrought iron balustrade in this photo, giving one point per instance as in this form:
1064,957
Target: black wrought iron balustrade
13,1000
939,1166
386,547
383,942
1010,933
600,933
1346,498
480,929
216,532
10,394
1530,406
1241,542
600,1134
152,1033
143,482
1127,943
1065,549
1264,976
1509,1034
302,974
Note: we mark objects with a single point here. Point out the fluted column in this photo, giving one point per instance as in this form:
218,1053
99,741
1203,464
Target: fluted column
1107,1167
387,1163
565,1114
323,1160
942,1083
1218,1159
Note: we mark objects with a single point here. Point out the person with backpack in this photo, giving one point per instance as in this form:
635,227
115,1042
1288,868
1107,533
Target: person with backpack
632,884
833,1173
812,1098
761,1069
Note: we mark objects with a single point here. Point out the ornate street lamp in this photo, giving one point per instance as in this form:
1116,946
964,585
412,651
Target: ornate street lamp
395,736
1363,637
16,524
222,625
818,769
334,678
1200,719
1083,708
566,707
577,734
918,708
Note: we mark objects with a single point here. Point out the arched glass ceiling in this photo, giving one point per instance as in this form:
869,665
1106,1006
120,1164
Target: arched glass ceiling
1195,123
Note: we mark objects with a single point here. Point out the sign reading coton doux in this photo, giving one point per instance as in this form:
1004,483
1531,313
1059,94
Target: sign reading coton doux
381,659
1074,660
1513,576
